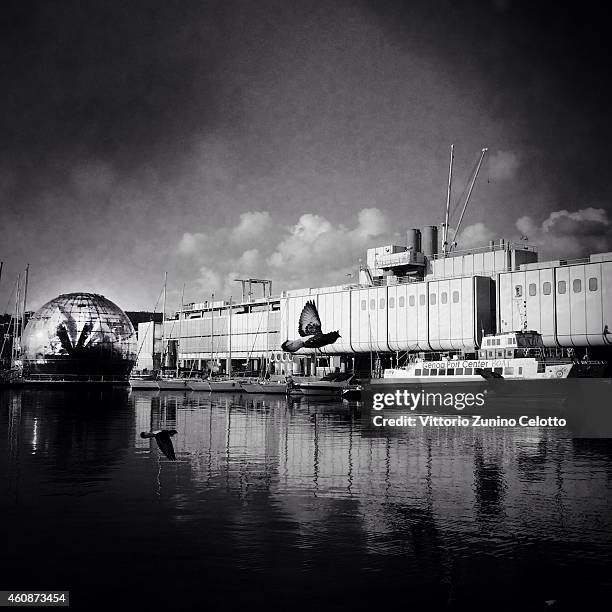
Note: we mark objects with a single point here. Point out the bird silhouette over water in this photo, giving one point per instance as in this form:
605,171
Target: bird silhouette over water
163,439
309,328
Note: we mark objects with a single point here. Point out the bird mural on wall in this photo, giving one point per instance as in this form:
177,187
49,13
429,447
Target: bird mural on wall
309,328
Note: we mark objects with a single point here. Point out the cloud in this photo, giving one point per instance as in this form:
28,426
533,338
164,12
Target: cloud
252,227
310,252
503,165
568,235
475,235
562,235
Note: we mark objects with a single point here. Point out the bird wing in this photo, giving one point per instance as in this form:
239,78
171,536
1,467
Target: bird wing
165,445
309,323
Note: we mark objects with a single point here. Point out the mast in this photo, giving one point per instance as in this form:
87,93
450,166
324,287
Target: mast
212,333
229,365
483,152
178,344
163,346
16,339
448,197
25,297
267,364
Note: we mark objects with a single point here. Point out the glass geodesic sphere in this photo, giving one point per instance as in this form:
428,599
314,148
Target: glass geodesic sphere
79,333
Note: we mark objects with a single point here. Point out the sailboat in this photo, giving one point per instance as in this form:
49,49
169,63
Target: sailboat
267,384
227,384
174,382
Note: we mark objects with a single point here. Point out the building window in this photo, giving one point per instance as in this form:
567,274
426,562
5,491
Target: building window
518,291
363,304
391,302
520,369
455,297
432,299
401,301
468,371
459,371
532,289
411,300
417,371
490,354
450,372
382,304
508,371
422,299
498,370
444,297
577,285
497,341
592,284
372,304
546,288
442,373
561,287
499,353
433,372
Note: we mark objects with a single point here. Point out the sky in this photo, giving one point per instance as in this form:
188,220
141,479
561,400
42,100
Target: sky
216,140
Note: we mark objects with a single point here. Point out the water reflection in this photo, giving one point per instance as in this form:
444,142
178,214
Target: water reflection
296,490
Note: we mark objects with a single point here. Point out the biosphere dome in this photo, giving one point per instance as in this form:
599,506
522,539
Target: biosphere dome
79,336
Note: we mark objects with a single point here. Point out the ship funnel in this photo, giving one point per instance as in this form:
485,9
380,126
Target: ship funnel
413,241
430,240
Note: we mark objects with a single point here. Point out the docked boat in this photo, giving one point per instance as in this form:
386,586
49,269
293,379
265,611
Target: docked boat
172,384
329,385
140,380
198,384
515,356
225,385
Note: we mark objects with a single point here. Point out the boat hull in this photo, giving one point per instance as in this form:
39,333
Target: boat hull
198,385
225,386
139,384
178,384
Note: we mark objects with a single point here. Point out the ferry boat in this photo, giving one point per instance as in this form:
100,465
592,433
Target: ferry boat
518,355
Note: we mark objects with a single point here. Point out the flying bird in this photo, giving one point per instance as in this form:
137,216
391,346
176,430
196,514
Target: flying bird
162,437
309,328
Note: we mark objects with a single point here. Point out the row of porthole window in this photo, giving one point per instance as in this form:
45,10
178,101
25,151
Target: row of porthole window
401,302
561,287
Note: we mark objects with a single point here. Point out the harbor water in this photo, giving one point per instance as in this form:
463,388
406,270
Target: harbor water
275,502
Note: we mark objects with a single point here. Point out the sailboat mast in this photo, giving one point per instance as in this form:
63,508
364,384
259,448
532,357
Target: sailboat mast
229,365
163,346
267,337
212,332
16,339
448,198
178,344
25,297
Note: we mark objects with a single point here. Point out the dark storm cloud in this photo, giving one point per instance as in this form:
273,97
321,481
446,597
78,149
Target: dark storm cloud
543,68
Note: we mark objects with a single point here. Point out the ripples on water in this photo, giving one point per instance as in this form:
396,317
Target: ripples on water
280,504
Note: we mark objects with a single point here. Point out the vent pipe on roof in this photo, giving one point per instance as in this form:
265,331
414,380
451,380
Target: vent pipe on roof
429,241
413,242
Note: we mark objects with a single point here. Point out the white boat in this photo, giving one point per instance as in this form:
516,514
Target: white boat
251,386
225,385
175,384
138,380
198,384
515,356
329,385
